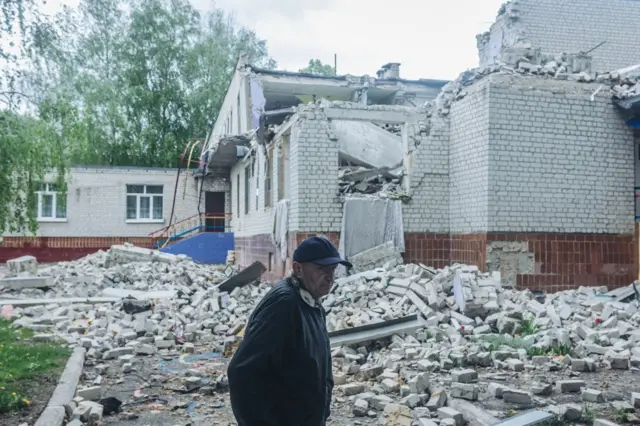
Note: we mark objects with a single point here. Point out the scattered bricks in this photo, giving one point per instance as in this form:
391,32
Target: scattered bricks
569,386
360,408
372,371
116,353
145,349
635,399
188,348
540,360
571,412
619,363
27,264
419,384
411,401
592,395
379,402
164,344
437,400
351,389
515,364
91,394
541,389
426,422
496,389
449,413
465,391
396,415
464,376
603,422
339,379
390,385
514,396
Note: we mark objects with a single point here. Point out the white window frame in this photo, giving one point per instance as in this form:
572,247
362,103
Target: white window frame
152,200
54,205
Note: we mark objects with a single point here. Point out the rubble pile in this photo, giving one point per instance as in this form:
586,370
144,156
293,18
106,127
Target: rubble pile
362,180
127,303
621,84
534,350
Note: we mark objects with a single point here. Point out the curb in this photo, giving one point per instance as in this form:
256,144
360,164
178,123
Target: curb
54,413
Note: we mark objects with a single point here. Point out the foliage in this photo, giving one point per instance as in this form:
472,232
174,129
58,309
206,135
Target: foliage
147,76
316,66
113,82
529,327
22,361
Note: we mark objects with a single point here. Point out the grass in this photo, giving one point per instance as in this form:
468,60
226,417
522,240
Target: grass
588,414
495,342
529,327
558,350
21,362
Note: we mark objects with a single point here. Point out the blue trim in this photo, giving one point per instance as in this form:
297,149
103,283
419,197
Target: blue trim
634,122
637,218
182,234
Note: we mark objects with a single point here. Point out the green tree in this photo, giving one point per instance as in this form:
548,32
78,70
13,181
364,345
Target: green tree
317,67
30,148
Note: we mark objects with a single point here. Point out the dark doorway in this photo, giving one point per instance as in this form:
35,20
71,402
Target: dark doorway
214,209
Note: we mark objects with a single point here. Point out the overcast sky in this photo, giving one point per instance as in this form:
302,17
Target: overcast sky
430,38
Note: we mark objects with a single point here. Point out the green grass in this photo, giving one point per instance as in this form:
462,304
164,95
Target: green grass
588,414
529,327
21,362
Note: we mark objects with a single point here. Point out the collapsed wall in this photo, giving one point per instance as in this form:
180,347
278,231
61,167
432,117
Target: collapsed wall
564,26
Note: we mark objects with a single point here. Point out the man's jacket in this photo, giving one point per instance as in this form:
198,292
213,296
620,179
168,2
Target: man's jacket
281,373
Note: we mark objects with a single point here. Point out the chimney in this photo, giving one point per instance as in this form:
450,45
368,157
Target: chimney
390,71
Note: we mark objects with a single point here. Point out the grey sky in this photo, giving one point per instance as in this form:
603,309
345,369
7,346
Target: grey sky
430,38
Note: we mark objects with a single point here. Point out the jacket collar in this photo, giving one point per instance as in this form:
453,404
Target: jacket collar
306,296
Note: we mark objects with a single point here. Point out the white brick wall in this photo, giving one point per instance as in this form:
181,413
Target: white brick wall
557,26
96,201
469,161
557,161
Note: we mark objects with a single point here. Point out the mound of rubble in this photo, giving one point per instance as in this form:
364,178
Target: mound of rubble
461,347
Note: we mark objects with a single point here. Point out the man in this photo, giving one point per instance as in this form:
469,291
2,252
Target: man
281,373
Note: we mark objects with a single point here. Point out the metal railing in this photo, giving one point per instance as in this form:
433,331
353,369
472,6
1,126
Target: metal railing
204,222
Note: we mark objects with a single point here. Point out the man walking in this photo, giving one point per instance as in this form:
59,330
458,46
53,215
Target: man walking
281,373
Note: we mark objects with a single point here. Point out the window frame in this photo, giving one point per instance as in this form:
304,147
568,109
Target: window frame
54,205
152,196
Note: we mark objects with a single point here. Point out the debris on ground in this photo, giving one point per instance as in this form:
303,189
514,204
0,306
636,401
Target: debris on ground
463,348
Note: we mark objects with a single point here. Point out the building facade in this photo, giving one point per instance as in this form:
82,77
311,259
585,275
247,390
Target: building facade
112,205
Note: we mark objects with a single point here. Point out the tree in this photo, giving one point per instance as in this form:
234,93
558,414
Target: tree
29,147
317,67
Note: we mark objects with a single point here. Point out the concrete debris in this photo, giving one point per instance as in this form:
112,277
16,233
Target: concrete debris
362,180
409,343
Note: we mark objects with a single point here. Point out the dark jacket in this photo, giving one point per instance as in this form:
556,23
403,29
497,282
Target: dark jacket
281,373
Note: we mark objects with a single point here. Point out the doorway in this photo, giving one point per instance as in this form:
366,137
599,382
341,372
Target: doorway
215,212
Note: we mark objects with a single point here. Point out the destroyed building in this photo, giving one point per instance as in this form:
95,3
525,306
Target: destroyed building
584,26
526,166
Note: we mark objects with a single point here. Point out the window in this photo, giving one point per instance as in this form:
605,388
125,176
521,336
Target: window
238,195
247,188
52,206
145,203
267,179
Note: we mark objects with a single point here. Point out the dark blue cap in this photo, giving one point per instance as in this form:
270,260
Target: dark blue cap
320,251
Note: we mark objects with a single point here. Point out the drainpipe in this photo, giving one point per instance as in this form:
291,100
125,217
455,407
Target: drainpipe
408,158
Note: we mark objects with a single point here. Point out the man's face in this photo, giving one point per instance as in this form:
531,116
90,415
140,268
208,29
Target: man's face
317,279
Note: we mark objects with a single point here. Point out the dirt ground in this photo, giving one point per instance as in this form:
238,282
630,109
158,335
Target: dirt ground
39,392
152,395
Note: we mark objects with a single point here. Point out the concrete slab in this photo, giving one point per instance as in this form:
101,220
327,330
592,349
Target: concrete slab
18,283
529,418
244,277
120,293
369,333
21,264
60,301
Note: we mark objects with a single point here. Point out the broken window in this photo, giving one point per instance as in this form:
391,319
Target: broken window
52,205
145,203
247,188
267,179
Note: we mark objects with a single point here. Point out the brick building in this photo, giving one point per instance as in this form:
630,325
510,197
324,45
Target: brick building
112,205
600,28
527,174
